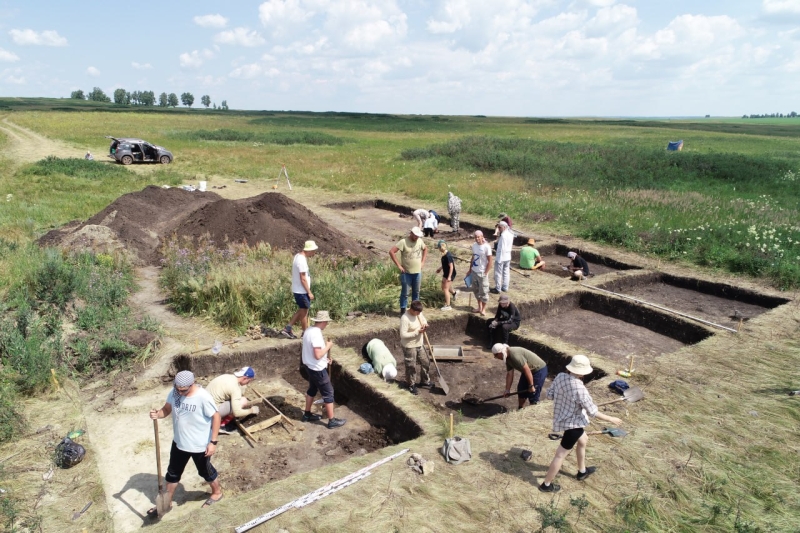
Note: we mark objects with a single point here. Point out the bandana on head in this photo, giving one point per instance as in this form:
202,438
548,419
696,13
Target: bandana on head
184,378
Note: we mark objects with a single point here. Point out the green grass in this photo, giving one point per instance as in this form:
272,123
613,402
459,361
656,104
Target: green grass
271,137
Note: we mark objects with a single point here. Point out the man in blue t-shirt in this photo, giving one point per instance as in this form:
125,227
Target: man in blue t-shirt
195,421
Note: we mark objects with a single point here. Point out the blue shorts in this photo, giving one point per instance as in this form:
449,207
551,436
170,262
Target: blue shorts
302,300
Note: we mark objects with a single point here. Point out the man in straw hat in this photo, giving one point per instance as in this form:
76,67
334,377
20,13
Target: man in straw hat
530,258
195,421
571,411
316,359
301,288
228,393
413,252
533,371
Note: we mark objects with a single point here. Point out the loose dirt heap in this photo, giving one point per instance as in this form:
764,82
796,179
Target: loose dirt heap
137,223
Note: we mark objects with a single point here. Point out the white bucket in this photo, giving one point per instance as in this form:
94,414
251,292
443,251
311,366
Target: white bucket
202,186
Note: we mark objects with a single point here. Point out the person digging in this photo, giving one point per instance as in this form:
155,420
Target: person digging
227,391
533,372
195,421
316,359
412,328
571,411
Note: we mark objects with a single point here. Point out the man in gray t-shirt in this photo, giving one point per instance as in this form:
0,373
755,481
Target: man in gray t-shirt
196,424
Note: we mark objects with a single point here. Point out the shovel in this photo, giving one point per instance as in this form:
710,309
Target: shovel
611,432
78,514
475,400
162,500
442,384
634,394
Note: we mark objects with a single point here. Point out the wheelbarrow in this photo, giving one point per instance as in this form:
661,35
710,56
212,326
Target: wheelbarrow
611,432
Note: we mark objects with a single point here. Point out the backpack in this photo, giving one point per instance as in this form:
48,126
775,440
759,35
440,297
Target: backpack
456,450
69,453
619,386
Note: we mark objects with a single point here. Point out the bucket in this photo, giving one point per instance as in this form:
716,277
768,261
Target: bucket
202,186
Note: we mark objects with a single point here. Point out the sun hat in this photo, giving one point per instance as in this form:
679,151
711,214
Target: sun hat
389,372
504,299
499,348
310,246
416,231
580,365
245,372
322,316
572,255
531,241
184,378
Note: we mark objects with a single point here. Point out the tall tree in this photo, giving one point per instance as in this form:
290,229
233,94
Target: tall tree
206,100
224,105
121,97
148,98
187,99
78,95
97,95
162,100
172,100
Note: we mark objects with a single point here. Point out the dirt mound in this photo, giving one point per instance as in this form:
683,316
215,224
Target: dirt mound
270,217
138,223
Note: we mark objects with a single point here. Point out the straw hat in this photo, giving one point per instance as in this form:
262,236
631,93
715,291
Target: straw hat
310,246
416,231
580,365
531,241
322,316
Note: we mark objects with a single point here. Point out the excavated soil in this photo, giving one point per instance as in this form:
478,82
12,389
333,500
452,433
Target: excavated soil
139,222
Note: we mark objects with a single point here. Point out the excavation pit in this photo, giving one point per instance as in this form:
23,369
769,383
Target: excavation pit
283,450
718,303
555,257
613,327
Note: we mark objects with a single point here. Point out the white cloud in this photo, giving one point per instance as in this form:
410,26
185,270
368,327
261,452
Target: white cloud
210,80
7,56
239,36
456,15
8,76
612,20
211,21
277,11
691,35
779,7
92,71
141,66
195,58
30,37
246,72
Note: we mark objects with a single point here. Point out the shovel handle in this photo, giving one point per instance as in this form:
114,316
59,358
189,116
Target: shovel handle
611,401
503,395
158,452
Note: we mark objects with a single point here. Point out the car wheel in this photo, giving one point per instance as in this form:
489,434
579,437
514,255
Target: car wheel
126,160
164,160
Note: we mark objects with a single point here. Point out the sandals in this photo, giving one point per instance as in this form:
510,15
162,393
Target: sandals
210,502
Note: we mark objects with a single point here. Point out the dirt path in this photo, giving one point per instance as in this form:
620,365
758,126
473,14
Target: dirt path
27,146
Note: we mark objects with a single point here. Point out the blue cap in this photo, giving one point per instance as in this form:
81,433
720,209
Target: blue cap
245,372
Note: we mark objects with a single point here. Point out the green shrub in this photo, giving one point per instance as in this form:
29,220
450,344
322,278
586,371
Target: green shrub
283,137
80,168
10,418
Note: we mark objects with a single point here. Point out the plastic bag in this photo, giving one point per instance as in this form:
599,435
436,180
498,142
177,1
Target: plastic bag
456,450
69,453
365,368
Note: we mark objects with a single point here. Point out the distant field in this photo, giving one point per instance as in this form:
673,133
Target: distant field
729,200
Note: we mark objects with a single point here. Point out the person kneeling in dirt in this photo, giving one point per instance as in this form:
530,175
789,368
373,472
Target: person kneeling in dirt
228,396
195,422
579,267
382,359
316,359
506,320
571,411
412,328
533,371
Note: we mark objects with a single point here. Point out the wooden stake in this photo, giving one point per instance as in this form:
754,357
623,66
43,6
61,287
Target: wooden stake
630,366
246,434
451,425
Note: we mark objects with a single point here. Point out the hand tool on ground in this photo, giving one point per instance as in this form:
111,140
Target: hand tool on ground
226,343
476,400
627,373
284,418
78,514
442,383
162,500
611,432
634,394
247,435
451,425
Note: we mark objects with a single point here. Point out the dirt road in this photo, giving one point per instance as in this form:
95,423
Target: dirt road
27,146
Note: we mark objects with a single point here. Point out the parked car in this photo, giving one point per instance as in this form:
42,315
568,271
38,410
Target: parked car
127,151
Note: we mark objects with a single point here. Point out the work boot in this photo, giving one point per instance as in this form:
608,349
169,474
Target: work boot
413,390
494,291
583,475
336,423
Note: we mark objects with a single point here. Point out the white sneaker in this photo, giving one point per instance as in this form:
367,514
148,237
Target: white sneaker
447,308
455,295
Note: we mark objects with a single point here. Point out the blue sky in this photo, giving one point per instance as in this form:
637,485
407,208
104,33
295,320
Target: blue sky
460,57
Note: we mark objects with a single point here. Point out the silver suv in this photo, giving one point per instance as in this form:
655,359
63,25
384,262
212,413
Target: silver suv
127,151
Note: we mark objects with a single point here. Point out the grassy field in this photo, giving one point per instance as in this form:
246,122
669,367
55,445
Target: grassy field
715,451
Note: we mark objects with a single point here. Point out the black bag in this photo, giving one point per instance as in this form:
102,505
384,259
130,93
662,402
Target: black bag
69,453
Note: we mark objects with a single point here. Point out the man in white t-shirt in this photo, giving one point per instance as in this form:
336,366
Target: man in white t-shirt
301,289
195,422
502,265
316,360
481,266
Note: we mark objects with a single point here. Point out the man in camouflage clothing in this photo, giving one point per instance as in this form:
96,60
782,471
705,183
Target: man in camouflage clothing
454,208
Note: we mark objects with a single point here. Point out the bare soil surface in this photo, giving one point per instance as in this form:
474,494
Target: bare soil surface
555,262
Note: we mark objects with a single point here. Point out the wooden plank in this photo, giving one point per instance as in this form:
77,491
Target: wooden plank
462,358
284,419
247,435
264,424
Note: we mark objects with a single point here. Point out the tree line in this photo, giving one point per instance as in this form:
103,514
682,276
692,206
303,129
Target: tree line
793,114
145,98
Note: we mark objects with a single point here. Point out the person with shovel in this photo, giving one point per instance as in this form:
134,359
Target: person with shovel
226,390
195,421
412,328
301,288
573,406
533,371
316,358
